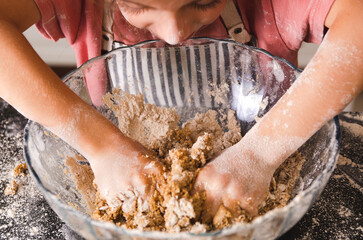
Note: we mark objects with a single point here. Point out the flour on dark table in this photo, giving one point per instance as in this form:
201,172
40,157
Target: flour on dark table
336,214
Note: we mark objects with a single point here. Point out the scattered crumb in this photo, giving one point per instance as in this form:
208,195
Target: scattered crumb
346,161
34,231
20,170
344,211
12,188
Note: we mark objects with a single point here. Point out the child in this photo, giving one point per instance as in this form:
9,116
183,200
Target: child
241,174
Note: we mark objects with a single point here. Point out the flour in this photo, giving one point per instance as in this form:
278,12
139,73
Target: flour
346,161
354,128
344,211
25,215
15,207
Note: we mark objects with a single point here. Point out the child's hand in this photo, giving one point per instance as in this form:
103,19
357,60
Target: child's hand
124,168
236,179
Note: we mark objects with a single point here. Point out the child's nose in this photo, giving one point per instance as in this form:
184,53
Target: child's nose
175,29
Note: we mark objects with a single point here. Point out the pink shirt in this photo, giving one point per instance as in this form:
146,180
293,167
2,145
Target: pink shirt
280,26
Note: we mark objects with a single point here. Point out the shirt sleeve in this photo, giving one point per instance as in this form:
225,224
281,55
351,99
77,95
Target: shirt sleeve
59,19
80,22
301,20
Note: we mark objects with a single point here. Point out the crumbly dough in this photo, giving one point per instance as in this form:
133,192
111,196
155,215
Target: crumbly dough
19,170
12,188
83,178
183,151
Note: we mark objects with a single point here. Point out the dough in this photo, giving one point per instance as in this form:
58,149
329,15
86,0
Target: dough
20,170
13,186
183,151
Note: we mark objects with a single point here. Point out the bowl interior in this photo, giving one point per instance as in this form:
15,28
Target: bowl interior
210,75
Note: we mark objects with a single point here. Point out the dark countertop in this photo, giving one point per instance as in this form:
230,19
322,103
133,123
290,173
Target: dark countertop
337,214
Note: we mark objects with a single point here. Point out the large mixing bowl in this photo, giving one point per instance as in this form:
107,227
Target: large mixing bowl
208,74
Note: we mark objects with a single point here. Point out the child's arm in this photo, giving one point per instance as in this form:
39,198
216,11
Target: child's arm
29,85
330,81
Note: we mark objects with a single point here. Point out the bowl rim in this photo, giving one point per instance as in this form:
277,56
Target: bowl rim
325,175
257,49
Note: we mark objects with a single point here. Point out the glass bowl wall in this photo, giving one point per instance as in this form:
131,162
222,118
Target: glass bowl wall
208,74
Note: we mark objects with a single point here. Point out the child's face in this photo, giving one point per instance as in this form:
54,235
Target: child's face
171,20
